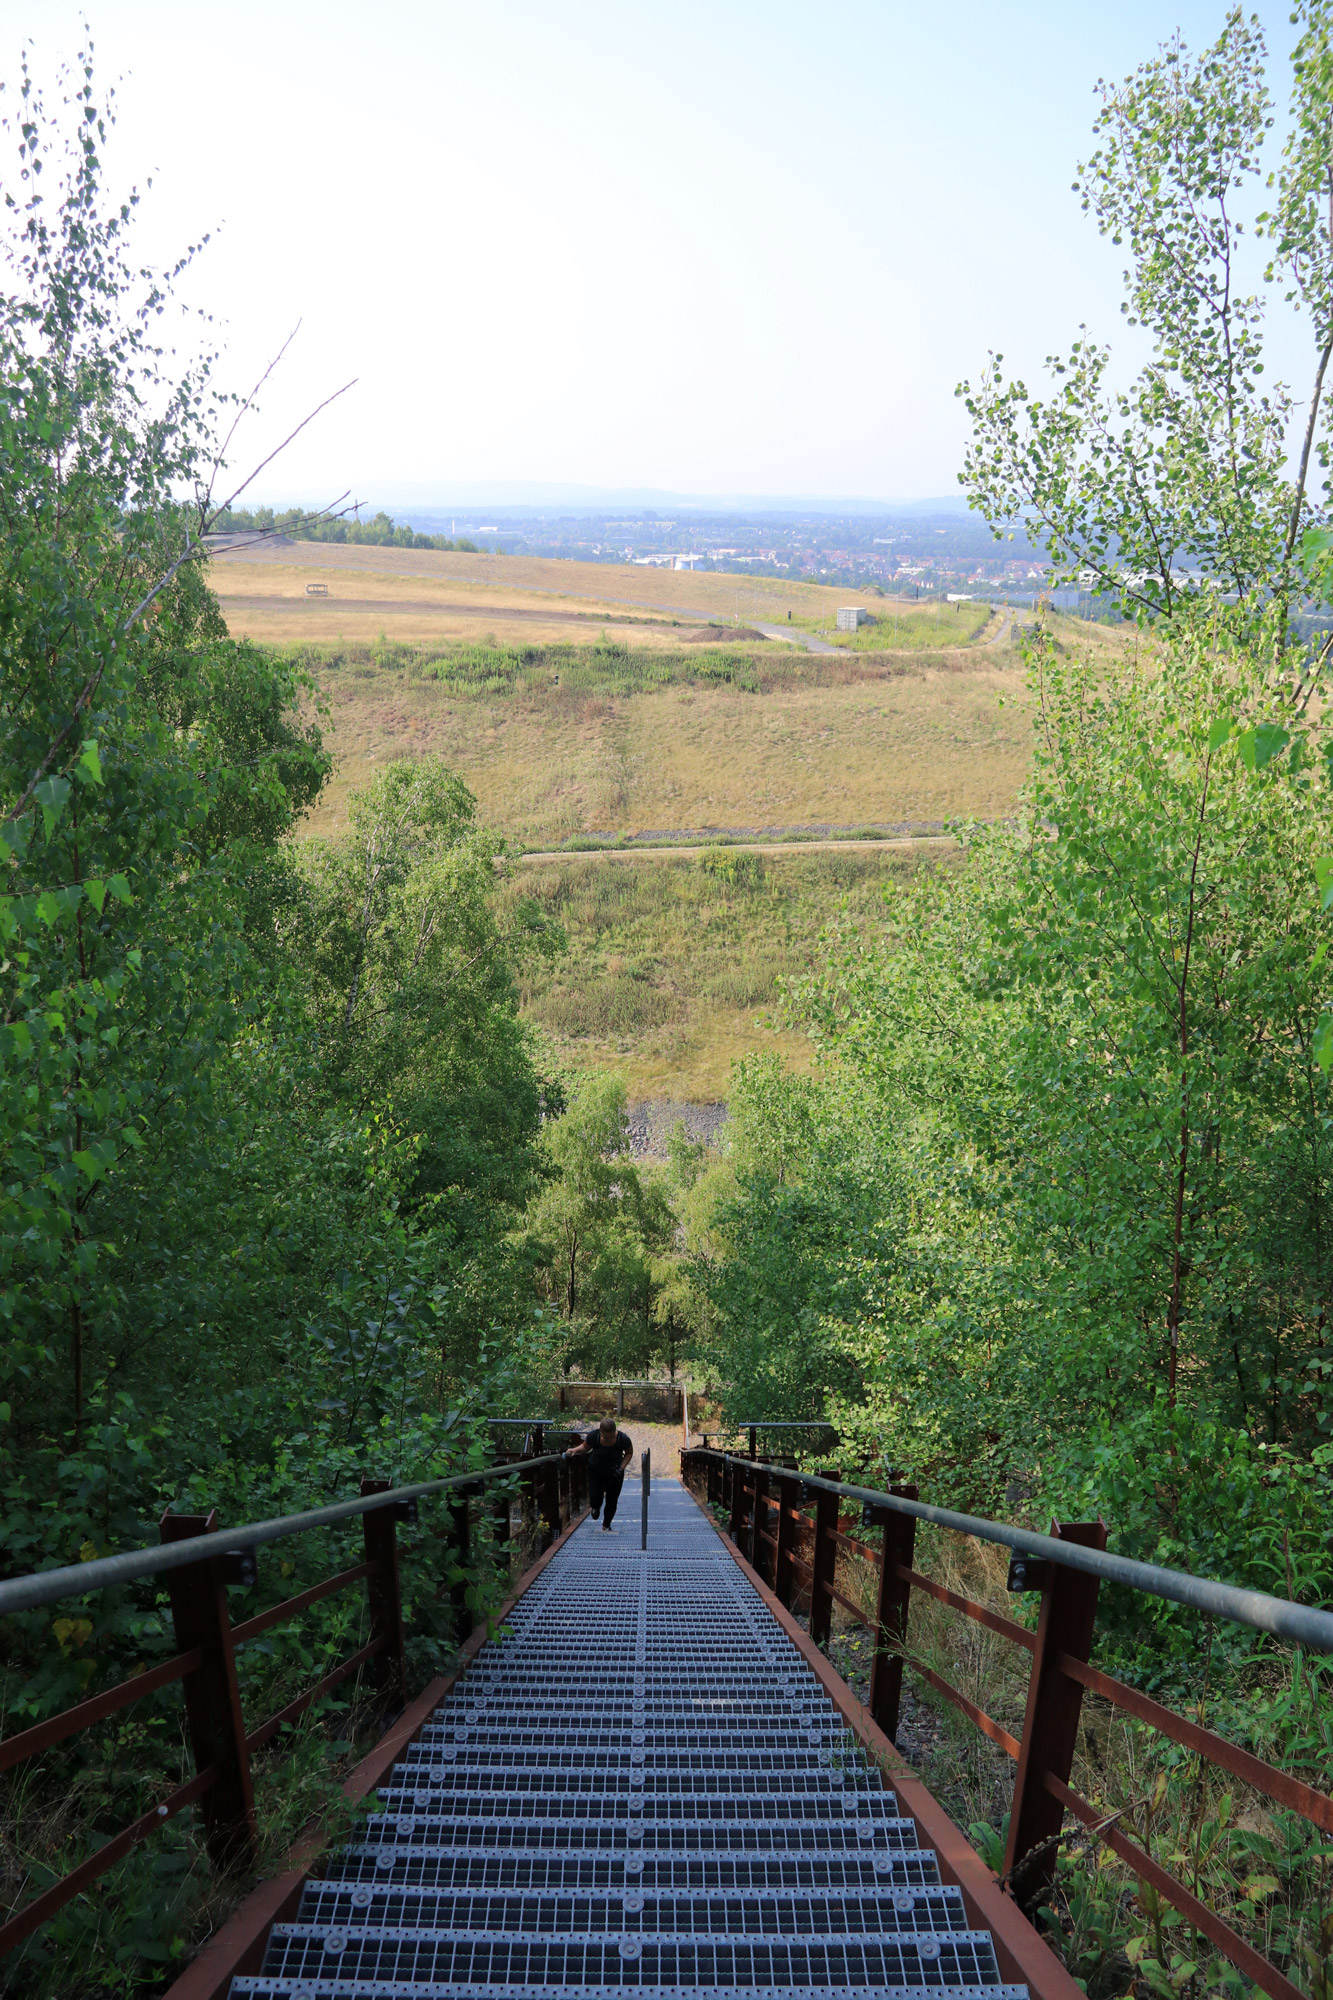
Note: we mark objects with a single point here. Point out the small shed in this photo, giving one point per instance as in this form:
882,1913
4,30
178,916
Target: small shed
851,617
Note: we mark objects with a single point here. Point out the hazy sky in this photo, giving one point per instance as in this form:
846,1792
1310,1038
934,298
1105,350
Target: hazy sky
742,246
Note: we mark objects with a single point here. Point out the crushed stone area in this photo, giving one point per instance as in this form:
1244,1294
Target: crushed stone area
652,1121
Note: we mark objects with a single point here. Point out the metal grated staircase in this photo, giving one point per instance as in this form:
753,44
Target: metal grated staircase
643,1790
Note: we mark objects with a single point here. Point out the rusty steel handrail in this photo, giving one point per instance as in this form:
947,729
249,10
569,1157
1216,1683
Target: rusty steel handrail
199,1566
1301,1624
1061,1669
51,1586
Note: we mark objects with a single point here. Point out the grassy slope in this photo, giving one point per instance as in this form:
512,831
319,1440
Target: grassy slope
841,742
497,669
418,578
421,597
671,970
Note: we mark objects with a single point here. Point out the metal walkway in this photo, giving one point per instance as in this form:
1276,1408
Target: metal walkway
643,1790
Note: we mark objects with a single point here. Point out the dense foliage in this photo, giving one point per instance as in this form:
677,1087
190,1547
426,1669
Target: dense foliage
1049,1232
268,1115
600,1235
298,525
1205,466
224,1063
1067,1163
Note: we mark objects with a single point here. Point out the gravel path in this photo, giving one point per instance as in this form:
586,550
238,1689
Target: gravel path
794,638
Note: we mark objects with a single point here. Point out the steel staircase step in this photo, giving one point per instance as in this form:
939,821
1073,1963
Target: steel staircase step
713,1912
463,1868
642,1790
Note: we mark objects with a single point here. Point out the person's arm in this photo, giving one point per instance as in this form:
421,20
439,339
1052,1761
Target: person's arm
628,1459
577,1450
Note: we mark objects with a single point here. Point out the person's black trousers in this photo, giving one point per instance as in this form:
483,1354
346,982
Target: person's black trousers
600,1489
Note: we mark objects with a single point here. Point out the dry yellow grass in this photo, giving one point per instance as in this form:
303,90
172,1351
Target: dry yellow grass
268,601
426,575
923,744
688,1062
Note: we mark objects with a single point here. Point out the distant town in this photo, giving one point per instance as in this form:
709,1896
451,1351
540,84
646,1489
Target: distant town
918,555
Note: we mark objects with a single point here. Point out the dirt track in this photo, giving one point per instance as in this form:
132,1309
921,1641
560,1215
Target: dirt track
733,847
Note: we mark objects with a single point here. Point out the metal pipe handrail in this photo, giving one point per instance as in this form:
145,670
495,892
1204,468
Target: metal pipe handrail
555,1423
1302,1624
50,1586
626,1382
782,1424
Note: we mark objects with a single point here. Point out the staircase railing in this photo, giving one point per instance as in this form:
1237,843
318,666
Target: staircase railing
790,1529
199,1561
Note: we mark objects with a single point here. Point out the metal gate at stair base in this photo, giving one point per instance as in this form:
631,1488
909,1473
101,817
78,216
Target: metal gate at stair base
643,1789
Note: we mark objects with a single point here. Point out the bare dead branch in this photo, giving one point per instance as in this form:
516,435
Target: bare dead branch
245,408
286,441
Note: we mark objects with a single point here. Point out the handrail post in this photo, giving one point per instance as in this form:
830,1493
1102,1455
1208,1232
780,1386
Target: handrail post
897,1552
645,1483
549,1499
388,1669
527,1507
789,1496
213,1697
501,1521
460,1516
736,1524
827,1510
759,1519
1050,1724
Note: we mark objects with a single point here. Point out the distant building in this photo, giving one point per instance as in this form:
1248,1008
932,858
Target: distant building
851,617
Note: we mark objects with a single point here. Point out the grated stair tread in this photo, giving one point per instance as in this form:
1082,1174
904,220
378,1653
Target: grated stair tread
643,1790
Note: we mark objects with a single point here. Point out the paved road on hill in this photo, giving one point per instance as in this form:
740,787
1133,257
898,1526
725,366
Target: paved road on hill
793,638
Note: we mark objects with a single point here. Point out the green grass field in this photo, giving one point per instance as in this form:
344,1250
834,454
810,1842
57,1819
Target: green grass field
900,627
675,968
